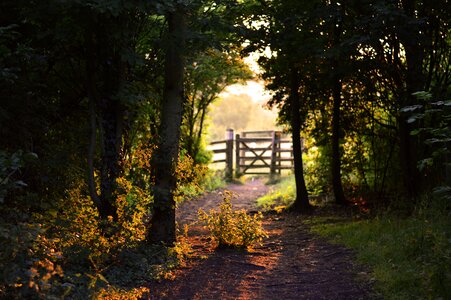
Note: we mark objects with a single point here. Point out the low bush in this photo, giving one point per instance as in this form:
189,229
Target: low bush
231,228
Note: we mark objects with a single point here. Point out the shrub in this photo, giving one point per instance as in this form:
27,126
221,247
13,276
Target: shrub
10,166
231,228
189,178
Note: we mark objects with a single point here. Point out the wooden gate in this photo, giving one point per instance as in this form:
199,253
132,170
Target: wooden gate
256,153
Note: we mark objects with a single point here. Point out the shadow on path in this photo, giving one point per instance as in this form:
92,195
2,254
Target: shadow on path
291,263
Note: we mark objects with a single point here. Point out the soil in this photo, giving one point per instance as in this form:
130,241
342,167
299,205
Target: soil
291,264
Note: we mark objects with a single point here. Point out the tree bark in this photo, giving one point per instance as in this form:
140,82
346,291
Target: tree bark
301,203
111,122
199,133
336,127
163,228
91,152
415,81
109,128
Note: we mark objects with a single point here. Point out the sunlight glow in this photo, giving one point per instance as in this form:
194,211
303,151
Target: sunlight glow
255,89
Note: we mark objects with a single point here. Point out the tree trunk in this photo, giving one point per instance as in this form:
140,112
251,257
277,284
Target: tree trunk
199,133
91,153
336,95
191,122
166,157
111,122
415,81
106,109
336,157
301,203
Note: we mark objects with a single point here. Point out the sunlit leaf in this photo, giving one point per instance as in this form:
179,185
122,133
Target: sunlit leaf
436,140
101,277
422,95
422,164
415,118
410,108
416,131
443,192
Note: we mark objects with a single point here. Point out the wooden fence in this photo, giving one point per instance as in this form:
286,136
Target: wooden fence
254,152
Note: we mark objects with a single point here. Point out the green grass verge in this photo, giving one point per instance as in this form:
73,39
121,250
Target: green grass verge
210,181
409,257
282,194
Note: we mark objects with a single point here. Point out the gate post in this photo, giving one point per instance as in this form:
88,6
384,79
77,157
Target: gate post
274,151
229,153
237,156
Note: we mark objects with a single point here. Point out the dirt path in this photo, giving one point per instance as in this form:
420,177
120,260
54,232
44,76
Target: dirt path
291,264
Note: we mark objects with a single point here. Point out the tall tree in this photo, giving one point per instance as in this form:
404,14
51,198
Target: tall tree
286,71
167,153
409,47
109,39
301,203
335,32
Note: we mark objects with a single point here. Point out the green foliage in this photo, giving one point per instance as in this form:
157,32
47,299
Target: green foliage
410,258
213,180
434,129
380,52
230,228
194,179
67,251
316,168
208,73
190,177
10,166
281,196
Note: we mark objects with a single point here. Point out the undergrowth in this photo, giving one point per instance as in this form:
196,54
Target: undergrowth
196,179
59,247
69,253
410,257
281,195
233,228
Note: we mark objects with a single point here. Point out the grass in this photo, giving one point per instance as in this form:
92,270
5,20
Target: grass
211,180
281,195
409,257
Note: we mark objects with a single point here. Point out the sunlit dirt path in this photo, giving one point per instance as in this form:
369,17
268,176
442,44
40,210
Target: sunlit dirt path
291,263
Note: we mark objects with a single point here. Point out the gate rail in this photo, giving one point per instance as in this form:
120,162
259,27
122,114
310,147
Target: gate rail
256,153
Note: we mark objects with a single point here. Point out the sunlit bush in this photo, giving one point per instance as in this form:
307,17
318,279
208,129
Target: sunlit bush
133,211
73,248
190,177
231,228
